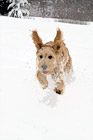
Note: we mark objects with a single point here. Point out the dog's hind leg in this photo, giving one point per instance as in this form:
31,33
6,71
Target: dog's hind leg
68,67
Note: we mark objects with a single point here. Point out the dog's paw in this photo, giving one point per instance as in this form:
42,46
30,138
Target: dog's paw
44,86
59,91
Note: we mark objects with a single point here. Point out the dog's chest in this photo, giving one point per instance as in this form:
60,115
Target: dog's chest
51,82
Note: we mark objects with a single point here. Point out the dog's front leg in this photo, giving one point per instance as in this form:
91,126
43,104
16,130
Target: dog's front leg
59,87
42,79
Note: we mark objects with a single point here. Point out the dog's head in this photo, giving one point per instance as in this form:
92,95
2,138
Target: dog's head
47,53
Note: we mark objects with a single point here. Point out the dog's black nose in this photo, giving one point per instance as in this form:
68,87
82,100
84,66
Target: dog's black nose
44,67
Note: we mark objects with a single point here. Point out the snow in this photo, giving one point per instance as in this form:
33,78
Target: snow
28,112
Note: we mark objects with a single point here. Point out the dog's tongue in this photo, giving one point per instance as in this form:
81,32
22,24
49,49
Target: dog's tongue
45,72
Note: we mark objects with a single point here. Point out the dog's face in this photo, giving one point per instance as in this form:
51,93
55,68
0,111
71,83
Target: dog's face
46,60
47,53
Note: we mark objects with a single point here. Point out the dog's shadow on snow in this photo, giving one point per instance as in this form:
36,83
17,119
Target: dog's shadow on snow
50,98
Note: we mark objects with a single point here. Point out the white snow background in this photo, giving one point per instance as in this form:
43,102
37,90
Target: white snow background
28,112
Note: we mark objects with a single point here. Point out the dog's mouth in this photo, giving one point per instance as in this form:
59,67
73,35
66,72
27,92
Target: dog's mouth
45,72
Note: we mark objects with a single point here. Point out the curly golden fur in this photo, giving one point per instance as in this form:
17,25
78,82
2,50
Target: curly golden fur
52,58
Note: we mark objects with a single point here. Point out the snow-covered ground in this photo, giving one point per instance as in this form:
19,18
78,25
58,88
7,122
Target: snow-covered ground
28,112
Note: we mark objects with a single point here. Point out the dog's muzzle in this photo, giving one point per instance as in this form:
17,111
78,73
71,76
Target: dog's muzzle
44,67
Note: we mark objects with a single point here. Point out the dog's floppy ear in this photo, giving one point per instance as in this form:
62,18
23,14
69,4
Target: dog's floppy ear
58,40
58,36
36,39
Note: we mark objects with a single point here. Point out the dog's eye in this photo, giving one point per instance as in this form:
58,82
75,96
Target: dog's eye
50,57
41,56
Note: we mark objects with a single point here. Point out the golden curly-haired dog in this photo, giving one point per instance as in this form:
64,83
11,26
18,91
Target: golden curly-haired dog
52,58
